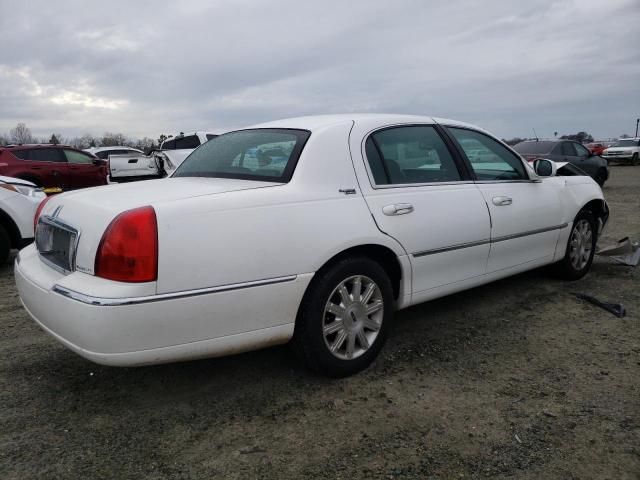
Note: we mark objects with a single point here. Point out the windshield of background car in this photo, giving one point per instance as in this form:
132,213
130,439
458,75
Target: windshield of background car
534,147
627,143
268,154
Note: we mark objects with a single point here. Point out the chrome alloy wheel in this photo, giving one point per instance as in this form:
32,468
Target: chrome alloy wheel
580,244
352,317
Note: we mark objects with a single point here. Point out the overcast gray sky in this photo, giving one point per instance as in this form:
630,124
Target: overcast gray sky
142,69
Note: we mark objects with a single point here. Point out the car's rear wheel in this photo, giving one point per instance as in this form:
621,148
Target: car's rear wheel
634,159
344,317
581,247
601,177
5,245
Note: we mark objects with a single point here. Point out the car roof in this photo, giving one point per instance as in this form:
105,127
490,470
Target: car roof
315,122
103,149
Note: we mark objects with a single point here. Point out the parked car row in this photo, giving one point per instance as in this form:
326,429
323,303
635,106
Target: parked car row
312,230
53,166
67,168
566,151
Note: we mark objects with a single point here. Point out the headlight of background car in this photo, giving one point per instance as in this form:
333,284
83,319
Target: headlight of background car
24,190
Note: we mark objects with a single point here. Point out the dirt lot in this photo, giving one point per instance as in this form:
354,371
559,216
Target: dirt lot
516,379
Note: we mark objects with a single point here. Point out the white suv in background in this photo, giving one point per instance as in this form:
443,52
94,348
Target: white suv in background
19,200
625,149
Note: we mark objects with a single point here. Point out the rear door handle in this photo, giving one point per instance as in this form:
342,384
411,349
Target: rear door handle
502,201
397,209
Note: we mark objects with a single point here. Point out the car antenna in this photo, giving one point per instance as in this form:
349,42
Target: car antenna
535,134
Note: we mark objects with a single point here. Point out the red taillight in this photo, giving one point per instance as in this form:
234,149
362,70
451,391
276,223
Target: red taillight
39,211
128,251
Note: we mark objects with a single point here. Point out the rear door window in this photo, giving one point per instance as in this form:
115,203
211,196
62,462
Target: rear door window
581,151
47,155
568,149
411,154
189,142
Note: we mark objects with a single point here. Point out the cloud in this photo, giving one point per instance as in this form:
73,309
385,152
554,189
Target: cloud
142,69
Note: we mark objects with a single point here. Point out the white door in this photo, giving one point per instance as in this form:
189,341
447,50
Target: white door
526,216
417,195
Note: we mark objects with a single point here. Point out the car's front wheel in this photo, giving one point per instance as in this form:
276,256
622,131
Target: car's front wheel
634,159
601,177
344,317
581,247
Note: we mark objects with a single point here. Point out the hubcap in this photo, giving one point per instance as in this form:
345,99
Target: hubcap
580,244
352,317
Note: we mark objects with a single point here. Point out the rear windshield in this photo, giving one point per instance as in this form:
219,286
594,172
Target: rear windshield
534,147
192,141
268,154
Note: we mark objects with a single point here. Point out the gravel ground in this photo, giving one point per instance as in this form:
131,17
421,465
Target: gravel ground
516,379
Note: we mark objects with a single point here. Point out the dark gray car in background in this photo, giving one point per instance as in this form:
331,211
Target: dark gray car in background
566,151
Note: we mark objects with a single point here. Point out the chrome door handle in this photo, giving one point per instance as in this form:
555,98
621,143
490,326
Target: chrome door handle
397,209
502,201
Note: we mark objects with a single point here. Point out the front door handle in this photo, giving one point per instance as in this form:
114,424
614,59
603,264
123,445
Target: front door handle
397,209
502,201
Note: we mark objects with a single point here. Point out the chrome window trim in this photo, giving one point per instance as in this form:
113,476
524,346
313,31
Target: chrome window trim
460,182
488,241
54,221
114,302
532,177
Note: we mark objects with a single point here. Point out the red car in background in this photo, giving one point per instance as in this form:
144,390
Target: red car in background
596,148
53,166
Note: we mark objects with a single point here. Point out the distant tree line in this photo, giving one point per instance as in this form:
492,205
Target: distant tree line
22,134
582,137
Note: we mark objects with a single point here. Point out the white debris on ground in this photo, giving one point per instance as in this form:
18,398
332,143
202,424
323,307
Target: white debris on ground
624,252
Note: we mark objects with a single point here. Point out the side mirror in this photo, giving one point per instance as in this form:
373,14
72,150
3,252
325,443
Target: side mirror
544,167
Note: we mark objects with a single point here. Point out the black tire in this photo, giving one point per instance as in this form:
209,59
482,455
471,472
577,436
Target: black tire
309,340
634,159
601,177
5,245
567,268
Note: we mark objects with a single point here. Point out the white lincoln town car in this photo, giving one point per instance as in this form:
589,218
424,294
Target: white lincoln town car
312,230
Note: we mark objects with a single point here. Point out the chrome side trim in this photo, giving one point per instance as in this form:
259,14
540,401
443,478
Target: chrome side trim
485,241
114,302
530,232
450,248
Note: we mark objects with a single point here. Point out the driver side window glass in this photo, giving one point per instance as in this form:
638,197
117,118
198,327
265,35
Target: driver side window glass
582,152
77,157
489,159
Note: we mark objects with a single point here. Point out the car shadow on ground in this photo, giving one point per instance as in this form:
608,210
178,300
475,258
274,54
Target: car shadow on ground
418,328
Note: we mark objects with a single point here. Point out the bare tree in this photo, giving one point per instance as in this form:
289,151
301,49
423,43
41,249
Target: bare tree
145,144
4,139
21,134
113,139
